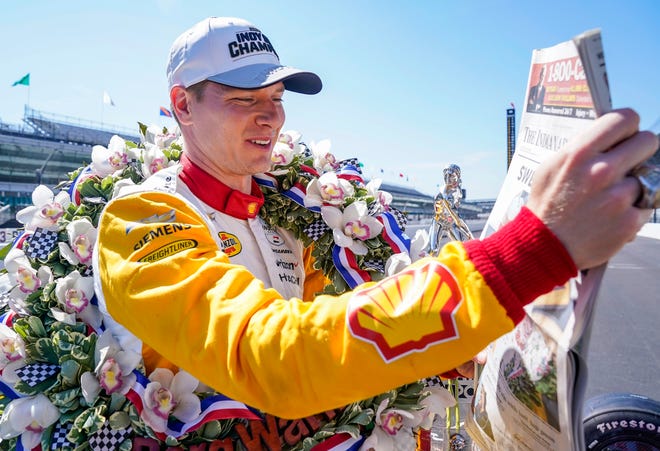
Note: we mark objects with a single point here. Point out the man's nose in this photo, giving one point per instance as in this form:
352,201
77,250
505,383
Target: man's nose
270,114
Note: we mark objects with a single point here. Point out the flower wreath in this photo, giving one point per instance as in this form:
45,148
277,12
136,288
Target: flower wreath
65,383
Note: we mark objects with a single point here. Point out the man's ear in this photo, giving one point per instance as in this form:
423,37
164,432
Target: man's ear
179,99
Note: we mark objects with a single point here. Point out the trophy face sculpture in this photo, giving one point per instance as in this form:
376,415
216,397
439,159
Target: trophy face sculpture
446,221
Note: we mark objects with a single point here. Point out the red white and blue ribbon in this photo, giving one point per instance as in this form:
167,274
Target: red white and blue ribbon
8,391
83,175
393,234
346,264
21,239
296,193
340,442
7,318
266,180
216,407
350,172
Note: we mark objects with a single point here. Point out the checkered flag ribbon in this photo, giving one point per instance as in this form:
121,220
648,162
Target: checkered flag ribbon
374,265
58,438
373,208
316,229
433,381
41,244
352,162
307,152
35,373
108,439
400,218
464,386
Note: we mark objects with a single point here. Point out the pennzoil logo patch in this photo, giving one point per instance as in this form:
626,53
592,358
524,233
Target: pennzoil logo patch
167,250
229,244
401,315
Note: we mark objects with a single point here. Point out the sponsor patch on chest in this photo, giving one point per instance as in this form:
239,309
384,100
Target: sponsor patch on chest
229,243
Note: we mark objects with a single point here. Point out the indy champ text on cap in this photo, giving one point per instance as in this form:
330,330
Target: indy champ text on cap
233,52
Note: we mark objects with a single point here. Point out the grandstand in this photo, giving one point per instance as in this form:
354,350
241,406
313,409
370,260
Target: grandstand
47,146
43,150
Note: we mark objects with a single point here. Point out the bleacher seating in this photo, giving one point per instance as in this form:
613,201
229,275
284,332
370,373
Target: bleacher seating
44,149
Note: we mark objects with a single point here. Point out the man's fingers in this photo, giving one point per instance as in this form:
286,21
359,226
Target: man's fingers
632,152
607,131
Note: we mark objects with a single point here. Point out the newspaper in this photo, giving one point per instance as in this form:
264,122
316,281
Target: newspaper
529,394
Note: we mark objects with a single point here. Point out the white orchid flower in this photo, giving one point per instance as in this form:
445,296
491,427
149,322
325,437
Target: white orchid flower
436,403
12,354
46,210
114,369
324,161
74,293
328,189
28,417
82,237
393,431
352,226
169,394
162,139
154,159
108,160
400,261
383,198
25,279
286,148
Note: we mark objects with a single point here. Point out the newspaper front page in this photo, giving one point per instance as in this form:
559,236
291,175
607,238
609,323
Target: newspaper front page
529,394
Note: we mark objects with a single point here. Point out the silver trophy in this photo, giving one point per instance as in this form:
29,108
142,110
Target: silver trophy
446,220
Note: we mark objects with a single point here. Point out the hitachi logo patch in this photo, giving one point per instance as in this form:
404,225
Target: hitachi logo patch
229,244
168,216
250,42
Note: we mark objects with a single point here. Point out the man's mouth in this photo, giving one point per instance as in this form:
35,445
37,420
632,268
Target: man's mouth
261,142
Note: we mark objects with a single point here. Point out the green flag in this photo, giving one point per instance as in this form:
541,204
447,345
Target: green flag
23,81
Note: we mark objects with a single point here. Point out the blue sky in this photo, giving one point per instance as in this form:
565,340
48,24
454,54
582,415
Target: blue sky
408,86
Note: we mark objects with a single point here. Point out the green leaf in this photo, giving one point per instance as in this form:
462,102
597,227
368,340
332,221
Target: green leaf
67,400
46,351
41,387
90,421
119,420
5,250
71,372
36,326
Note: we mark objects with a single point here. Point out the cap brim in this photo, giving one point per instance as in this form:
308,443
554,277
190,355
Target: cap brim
261,75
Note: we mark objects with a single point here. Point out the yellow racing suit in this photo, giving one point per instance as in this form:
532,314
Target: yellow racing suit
187,265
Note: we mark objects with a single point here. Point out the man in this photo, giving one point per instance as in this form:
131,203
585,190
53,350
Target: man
537,93
235,324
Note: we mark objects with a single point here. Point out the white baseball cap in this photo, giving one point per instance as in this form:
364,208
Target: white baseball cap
233,52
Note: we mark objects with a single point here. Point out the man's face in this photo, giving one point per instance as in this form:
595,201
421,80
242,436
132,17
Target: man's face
232,131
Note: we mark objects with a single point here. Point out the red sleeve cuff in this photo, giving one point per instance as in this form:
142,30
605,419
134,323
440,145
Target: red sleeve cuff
521,261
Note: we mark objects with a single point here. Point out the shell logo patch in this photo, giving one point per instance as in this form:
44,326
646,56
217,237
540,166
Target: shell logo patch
229,244
404,314
252,209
